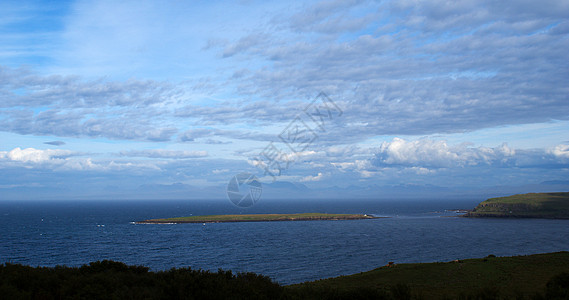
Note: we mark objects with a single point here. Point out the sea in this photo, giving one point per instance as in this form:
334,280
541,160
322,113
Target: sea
74,233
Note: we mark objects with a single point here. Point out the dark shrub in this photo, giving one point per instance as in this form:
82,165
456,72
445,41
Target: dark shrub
558,287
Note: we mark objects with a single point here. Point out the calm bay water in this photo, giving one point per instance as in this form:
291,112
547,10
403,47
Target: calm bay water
75,233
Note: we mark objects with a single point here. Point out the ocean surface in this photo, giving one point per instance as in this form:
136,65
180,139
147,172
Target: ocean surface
74,233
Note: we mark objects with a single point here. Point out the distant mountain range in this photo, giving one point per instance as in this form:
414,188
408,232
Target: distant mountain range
282,190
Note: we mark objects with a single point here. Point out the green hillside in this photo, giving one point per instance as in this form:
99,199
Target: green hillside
532,205
520,277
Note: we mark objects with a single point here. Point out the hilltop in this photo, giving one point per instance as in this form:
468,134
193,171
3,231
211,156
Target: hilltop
532,205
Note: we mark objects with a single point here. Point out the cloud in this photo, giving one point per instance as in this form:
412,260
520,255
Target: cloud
244,43
55,143
68,106
411,76
219,171
31,155
198,133
243,111
59,160
434,67
437,154
318,177
560,151
166,74
132,168
326,16
399,67
161,153
215,142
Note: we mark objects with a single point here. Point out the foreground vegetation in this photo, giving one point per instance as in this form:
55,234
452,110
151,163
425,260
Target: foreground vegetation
115,280
542,276
492,277
259,218
532,205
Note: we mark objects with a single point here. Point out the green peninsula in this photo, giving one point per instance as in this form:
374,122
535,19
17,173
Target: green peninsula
258,218
532,205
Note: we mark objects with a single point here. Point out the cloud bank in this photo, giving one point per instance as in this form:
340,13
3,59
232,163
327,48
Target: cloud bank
149,95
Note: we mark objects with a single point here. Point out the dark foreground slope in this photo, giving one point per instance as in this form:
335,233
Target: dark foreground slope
531,277
532,205
483,278
115,280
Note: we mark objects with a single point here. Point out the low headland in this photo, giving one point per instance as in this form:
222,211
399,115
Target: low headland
258,218
532,205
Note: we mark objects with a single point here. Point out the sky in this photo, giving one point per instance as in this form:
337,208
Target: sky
328,99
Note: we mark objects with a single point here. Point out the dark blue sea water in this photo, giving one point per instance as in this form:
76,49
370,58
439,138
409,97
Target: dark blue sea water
75,233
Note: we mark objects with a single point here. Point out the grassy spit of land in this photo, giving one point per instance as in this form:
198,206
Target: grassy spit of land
258,218
532,205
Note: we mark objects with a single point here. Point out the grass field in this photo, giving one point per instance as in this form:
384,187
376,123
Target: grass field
536,205
260,218
503,277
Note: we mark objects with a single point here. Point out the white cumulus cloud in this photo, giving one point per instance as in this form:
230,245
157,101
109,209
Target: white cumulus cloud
560,151
312,178
438,154
31,155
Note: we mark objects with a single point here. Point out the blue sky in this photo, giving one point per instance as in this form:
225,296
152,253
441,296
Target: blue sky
143,99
